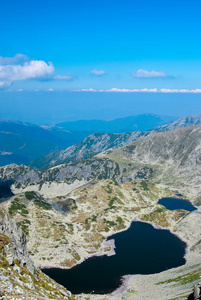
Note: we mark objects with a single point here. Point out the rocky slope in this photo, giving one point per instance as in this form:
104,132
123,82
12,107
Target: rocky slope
169,158
91,145
99,142
183,122
176,155
19,279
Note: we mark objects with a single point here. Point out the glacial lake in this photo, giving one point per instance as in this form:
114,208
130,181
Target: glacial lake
141,249
176,203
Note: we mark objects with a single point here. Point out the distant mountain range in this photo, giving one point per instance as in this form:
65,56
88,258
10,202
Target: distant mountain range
40,146
127,124
22,142
99,142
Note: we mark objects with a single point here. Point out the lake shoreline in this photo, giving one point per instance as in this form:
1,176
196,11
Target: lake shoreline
125,279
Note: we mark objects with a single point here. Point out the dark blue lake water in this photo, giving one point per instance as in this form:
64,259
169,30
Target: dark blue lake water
141,249
176,203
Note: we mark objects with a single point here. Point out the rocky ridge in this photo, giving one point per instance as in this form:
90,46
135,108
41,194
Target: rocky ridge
99,142
170,158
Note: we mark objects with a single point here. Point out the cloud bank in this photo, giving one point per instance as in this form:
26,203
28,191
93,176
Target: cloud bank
98,72
64,77
145,90
149,74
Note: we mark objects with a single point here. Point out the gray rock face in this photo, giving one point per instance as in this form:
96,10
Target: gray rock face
18,244
183,122
95,168
196,292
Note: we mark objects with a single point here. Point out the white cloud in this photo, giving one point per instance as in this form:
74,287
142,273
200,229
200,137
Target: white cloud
196,91
144,90
87,90
149,74
34,69
21,67
4,84
132,90
15,60
98,72
116,90
64,77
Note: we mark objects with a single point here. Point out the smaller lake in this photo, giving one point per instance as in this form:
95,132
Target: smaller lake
141,249
176,203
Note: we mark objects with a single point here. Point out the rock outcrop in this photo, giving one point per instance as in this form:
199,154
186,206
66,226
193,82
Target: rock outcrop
19,279
18,249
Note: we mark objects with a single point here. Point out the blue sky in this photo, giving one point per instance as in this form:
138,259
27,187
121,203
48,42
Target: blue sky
120,46
116,37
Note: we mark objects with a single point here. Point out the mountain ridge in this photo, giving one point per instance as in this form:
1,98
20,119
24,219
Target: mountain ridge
99,142
126,124
149,157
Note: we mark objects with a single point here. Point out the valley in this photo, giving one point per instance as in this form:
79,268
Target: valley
74,207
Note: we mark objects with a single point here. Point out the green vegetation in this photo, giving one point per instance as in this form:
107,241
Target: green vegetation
43,204
120,224
74,207
87,220
17,206
194,246
144,185
161,209
24,225
184,279
115,182
4,240
158,216
119,220
76,256
70,228
94,218
30,195
25,211
110,223
130,291
111,202
109,189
